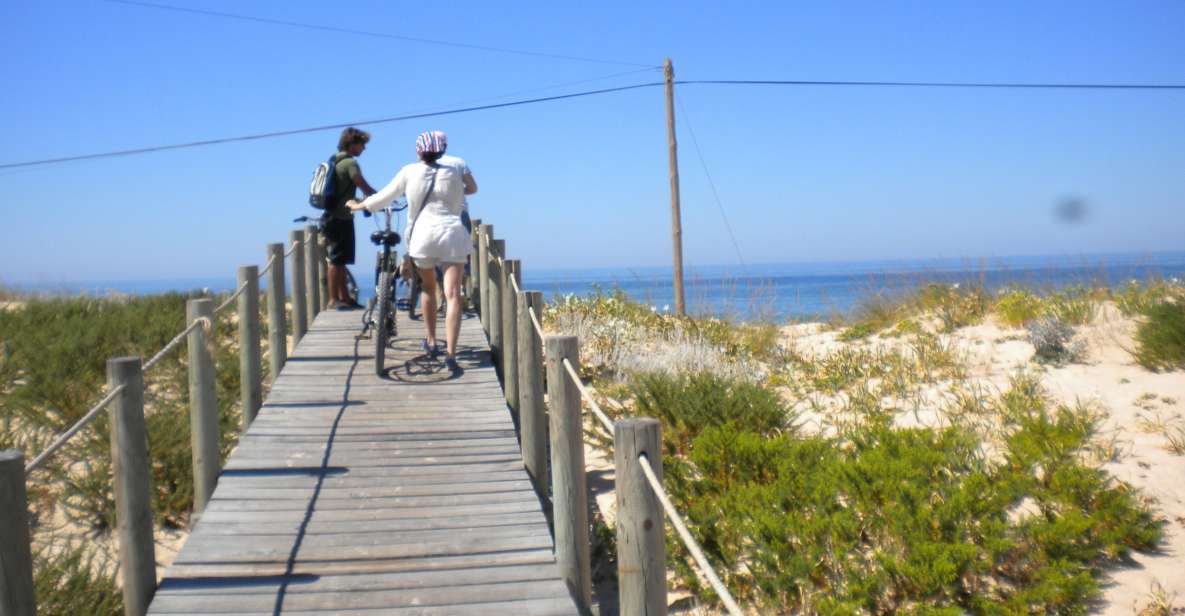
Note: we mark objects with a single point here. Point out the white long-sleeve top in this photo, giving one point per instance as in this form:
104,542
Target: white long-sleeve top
434,228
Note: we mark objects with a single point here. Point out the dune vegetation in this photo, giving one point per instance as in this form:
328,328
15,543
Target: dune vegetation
890,462
53,353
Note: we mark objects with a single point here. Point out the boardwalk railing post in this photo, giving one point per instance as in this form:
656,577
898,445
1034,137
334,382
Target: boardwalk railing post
203,406
133,494
300,319
531,411
322,271
277,337
312,276
497,251
510,335
250,365
569,488
471,285
483,273
16,558
641,553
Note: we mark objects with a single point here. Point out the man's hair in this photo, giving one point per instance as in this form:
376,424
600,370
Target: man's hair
350,136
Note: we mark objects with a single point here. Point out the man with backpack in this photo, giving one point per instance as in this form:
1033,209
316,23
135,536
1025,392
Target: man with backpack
338,220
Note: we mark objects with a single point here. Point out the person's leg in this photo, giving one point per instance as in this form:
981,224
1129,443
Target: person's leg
337,280
452,293
428,301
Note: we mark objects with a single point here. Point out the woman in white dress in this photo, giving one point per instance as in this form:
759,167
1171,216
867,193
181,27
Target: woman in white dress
435,187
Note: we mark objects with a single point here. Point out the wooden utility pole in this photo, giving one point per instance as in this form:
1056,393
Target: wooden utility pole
668,70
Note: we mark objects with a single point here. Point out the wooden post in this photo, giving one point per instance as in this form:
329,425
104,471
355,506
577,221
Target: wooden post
668,70
510,335
133,494
312,260
322,271
203,405
277,338
497,249
641,553
471,285
531,410
483,275
250,365
300,319
16,558
569,486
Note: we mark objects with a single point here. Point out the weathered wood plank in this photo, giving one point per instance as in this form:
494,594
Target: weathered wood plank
351,493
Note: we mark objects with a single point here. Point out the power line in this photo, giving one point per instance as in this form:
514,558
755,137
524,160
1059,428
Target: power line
384,35
711,183
298,131
927,84
939,84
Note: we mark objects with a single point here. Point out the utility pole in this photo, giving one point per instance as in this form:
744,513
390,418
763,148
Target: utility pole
668,70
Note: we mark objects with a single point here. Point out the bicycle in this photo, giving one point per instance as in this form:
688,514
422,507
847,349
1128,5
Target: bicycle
380,310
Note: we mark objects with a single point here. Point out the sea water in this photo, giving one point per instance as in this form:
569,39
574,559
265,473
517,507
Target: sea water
780,292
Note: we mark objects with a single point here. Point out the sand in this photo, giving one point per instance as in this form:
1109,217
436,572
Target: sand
1132,400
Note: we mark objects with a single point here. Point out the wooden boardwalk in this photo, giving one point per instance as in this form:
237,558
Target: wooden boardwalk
351,493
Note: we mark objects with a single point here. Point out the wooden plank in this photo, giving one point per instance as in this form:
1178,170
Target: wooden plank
355,494
374,599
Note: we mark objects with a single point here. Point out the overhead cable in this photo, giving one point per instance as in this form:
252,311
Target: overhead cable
298,131
938,84
715,194
283,133
373,34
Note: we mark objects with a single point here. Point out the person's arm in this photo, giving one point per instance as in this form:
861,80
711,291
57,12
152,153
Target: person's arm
470,183
378,200
359,181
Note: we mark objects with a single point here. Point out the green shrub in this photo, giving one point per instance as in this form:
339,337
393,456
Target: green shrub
1160,337
955,305
72,579
884,520
687,404
1017,307
53,355
857,331
1135,298
1075,305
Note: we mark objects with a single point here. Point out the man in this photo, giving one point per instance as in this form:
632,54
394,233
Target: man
339,220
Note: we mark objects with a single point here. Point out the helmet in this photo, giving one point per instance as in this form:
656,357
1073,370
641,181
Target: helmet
431,142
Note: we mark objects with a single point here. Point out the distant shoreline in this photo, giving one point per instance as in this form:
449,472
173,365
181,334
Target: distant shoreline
769,290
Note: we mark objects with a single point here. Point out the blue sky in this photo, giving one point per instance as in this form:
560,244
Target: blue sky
805,174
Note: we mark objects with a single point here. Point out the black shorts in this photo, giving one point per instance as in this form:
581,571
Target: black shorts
339,235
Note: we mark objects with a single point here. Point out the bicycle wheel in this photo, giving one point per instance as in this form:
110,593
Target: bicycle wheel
351,286
382,325
413,294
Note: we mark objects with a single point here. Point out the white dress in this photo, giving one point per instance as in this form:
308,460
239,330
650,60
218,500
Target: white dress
434,230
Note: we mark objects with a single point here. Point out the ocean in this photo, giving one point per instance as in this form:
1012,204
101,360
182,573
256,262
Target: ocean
799,291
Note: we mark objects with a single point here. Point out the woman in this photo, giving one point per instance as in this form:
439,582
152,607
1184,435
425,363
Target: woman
435,188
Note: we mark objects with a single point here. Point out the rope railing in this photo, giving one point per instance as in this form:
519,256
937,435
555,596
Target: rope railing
94,411
672,513
588,397
137,565
692,545
203,322
68,434
267,267
230,300
537,325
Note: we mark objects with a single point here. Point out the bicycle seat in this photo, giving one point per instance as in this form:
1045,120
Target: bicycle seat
385,238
